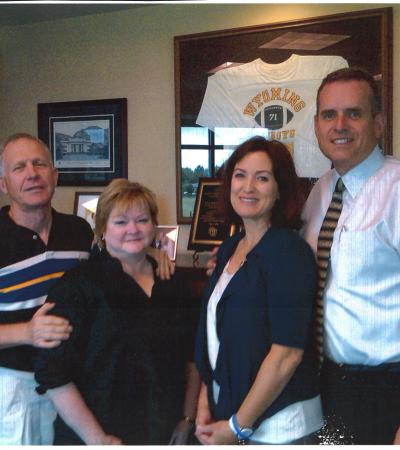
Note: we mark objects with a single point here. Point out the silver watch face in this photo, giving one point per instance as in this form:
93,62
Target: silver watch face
247,432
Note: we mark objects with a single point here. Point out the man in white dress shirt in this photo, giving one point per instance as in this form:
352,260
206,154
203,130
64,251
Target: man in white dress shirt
360,377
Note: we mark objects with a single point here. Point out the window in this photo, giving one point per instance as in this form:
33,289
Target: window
203,153
198,159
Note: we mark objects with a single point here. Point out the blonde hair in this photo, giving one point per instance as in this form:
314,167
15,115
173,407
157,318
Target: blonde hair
122,193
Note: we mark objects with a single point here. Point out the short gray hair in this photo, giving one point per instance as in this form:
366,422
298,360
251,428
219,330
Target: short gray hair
16,137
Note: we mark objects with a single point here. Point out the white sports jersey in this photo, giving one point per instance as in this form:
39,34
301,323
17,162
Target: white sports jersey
277,97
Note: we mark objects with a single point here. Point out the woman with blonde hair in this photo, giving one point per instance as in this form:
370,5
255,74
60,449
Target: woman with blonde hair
120,378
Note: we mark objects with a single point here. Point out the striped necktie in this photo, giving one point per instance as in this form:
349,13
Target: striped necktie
325,239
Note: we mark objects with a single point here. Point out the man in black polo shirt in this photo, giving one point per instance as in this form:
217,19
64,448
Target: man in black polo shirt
37,245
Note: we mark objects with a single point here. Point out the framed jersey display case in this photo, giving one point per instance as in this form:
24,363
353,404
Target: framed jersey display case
263,80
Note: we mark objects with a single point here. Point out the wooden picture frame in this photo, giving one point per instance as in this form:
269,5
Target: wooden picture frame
84,205
367,43
166,238
209,227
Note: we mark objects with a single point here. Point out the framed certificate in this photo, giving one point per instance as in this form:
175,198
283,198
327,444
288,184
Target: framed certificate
209,227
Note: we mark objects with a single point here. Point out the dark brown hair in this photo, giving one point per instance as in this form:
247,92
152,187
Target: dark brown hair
287,209
353,74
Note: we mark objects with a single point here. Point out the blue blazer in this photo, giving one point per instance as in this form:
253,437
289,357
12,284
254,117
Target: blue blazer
269,300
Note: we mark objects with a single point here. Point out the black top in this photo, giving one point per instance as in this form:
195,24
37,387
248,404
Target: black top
127,352
269,300
18,244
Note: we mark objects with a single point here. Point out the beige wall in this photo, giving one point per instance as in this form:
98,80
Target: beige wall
130,54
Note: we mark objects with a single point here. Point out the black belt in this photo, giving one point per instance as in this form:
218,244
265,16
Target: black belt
386,367
382,374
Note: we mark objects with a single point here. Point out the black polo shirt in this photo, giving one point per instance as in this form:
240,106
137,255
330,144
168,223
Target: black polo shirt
17,245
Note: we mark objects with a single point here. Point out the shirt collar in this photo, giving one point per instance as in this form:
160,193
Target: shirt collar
103,255
358,175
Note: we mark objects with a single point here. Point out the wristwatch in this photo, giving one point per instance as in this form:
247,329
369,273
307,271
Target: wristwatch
189,420
242,434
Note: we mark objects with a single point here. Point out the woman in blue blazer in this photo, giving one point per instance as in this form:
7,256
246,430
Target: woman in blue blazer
254,344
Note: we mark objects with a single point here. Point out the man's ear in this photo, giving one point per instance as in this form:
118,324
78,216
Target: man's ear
3,186
315,123
316,126
379,125
55,176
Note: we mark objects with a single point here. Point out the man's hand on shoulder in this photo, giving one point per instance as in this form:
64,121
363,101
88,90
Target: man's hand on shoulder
165,267
397,437
47,331
212,261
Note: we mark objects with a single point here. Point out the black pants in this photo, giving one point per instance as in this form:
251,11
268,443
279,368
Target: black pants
361,403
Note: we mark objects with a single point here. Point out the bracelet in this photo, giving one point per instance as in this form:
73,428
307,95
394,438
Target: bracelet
189,420
242,434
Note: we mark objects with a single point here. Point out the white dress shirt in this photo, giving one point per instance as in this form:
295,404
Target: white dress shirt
362,294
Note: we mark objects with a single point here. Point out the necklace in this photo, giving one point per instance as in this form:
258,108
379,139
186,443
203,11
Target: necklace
246,249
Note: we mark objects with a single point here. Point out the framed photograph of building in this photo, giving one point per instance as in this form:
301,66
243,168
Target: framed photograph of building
87,140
